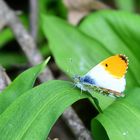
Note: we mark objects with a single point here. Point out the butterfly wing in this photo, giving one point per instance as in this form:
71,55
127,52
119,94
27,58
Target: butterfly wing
109,74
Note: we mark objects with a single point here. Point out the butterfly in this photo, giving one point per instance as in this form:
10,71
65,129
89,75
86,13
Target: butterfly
108,77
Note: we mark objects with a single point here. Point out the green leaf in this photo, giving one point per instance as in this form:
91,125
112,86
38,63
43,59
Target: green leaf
52,7
117,32
120,121
5,36
9,59
32,115
43,5
45,50
77,50
73,50
21,84
127,5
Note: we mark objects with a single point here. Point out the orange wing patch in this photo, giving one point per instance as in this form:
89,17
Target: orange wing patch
116,65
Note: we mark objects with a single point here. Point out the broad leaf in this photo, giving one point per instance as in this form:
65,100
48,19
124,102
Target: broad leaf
117,32
73,51
127,5
100,35
121,120
21,84
32,115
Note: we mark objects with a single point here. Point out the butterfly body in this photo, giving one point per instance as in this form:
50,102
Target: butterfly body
108,76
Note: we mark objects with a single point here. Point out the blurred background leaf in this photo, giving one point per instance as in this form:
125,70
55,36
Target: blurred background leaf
11,59
5,36
126,5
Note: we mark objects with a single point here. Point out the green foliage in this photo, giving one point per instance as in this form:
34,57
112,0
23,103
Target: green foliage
121,120
7,59
72,47
20,85
76,53
40,105
25,110
100,35
127,5
52,7
118,33
5,36
10,59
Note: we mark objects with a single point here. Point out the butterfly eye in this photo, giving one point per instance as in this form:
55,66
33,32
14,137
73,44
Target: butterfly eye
106,65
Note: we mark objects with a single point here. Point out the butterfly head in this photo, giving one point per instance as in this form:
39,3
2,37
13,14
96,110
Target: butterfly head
76,79
116,65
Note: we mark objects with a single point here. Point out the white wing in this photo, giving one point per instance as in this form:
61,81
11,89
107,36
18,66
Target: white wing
103,79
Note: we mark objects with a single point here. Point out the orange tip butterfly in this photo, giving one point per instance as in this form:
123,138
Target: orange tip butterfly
108,77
